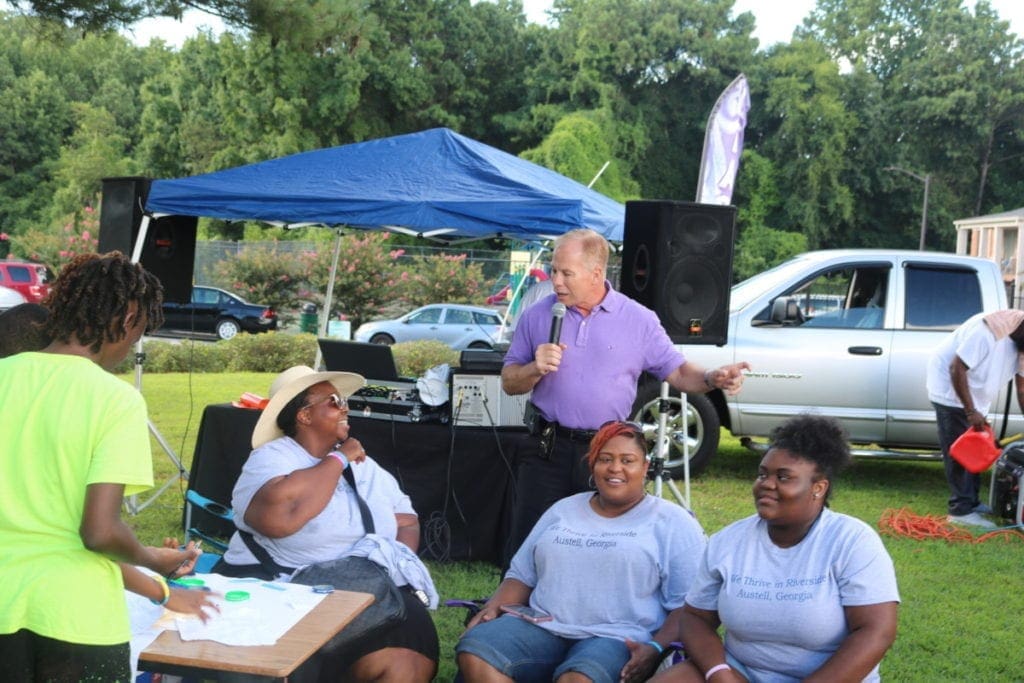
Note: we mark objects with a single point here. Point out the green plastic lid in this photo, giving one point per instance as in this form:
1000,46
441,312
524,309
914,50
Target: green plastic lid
236,596
190,581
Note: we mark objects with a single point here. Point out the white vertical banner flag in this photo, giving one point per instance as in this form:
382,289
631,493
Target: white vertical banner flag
723,144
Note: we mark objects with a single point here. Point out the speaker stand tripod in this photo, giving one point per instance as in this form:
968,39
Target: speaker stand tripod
656,472
132,502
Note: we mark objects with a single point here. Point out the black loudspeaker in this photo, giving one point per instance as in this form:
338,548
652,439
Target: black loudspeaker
169,251
677,261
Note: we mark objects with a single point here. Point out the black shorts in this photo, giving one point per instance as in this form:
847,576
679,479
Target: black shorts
28,656
416,632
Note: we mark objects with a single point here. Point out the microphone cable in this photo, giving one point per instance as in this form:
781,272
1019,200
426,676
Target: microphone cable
436,532
501,451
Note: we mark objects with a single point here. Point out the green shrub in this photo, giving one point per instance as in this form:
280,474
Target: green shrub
183,356
416,357
268,352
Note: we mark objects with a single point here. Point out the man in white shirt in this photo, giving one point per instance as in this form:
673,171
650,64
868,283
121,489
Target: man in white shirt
965,374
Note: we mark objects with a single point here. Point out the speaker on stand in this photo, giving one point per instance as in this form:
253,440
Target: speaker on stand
677,261
169,251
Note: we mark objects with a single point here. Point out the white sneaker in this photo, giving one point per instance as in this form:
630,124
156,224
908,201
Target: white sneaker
971,519
982,509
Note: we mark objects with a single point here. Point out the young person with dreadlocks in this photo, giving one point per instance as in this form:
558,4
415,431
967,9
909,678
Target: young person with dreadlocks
75,442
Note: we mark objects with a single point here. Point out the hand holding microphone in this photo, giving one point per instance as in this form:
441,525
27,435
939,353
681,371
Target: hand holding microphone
549,356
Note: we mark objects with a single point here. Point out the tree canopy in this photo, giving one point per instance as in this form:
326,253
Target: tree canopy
927,86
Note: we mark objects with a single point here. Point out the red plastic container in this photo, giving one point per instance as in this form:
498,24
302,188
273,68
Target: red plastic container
975,450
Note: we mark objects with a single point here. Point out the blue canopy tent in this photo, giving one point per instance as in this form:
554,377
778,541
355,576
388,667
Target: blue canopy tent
435,183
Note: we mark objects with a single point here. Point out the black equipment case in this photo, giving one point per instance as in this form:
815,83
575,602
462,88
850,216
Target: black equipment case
1005,496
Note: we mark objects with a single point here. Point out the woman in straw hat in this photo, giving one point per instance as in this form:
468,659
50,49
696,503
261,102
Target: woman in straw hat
293,501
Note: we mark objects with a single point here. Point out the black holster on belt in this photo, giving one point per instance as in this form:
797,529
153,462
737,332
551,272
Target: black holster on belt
547,440
539,427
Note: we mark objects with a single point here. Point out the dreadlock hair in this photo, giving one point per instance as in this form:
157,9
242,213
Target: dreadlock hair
91,296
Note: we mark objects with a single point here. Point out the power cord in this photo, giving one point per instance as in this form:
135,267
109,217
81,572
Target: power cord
497,442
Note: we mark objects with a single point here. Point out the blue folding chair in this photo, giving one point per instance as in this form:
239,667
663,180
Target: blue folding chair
214,547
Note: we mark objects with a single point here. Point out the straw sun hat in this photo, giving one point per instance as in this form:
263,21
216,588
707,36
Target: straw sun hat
290,384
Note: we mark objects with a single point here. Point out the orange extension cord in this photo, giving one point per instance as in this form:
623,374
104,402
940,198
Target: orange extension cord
903,522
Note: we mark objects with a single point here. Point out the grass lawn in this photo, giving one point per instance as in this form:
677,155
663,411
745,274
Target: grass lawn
962,603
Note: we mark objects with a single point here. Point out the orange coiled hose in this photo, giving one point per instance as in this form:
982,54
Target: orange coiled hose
903,522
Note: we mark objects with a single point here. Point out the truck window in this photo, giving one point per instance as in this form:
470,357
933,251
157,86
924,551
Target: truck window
847,297
940,298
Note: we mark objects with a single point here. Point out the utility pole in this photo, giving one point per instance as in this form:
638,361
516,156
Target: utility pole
927,180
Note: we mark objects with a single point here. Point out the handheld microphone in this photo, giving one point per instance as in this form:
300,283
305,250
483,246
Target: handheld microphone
557,313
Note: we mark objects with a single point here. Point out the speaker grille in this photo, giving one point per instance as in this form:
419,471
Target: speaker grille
170,248
677,261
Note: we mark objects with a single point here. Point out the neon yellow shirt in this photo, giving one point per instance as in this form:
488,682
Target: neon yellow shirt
65,423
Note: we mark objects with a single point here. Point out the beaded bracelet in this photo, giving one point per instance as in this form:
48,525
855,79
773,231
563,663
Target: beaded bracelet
167,591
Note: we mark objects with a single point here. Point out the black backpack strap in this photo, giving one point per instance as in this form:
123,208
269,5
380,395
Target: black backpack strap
364,509
261,554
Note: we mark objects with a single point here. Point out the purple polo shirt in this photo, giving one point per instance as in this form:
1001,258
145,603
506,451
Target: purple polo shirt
606,353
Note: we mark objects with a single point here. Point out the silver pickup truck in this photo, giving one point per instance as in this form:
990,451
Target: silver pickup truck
845,333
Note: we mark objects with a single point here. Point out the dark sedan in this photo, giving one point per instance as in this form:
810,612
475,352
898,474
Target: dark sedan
219,312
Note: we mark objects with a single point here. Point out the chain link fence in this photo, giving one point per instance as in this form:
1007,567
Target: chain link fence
496,265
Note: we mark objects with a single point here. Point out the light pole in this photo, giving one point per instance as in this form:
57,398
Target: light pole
927,180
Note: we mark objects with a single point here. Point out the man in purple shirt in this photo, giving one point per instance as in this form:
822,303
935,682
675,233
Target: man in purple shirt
589,377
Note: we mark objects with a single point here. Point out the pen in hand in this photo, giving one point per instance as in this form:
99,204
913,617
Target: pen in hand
174,572
189,586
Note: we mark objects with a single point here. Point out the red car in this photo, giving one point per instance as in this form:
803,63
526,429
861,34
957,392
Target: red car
31,280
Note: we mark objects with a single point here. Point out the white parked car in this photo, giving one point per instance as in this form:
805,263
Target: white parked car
10,298
458,326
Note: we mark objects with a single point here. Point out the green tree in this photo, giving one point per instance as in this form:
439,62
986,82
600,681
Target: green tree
94,151
809,144
578,147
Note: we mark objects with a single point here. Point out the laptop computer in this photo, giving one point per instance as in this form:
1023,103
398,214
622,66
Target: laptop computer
375,362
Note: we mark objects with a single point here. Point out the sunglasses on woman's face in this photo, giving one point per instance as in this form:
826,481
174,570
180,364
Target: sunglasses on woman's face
335,400
635,426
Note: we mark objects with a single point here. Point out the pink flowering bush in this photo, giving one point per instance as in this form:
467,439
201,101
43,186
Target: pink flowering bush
270,276
78,235
366,278
439,279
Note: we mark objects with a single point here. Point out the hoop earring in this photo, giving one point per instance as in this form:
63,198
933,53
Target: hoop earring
590,482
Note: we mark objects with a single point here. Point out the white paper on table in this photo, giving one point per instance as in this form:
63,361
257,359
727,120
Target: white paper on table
142,617
272,609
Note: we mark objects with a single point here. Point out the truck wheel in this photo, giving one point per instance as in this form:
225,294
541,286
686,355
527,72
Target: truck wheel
700,433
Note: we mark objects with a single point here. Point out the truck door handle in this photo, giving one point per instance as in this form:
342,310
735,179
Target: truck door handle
865,350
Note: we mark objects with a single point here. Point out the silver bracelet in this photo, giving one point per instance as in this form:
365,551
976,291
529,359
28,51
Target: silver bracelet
707,379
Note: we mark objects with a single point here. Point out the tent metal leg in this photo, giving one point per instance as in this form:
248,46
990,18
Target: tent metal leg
132,502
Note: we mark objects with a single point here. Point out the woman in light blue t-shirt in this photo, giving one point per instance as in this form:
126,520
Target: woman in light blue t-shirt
589,590
804,593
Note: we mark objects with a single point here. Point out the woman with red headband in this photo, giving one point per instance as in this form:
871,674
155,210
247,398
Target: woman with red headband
588,592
